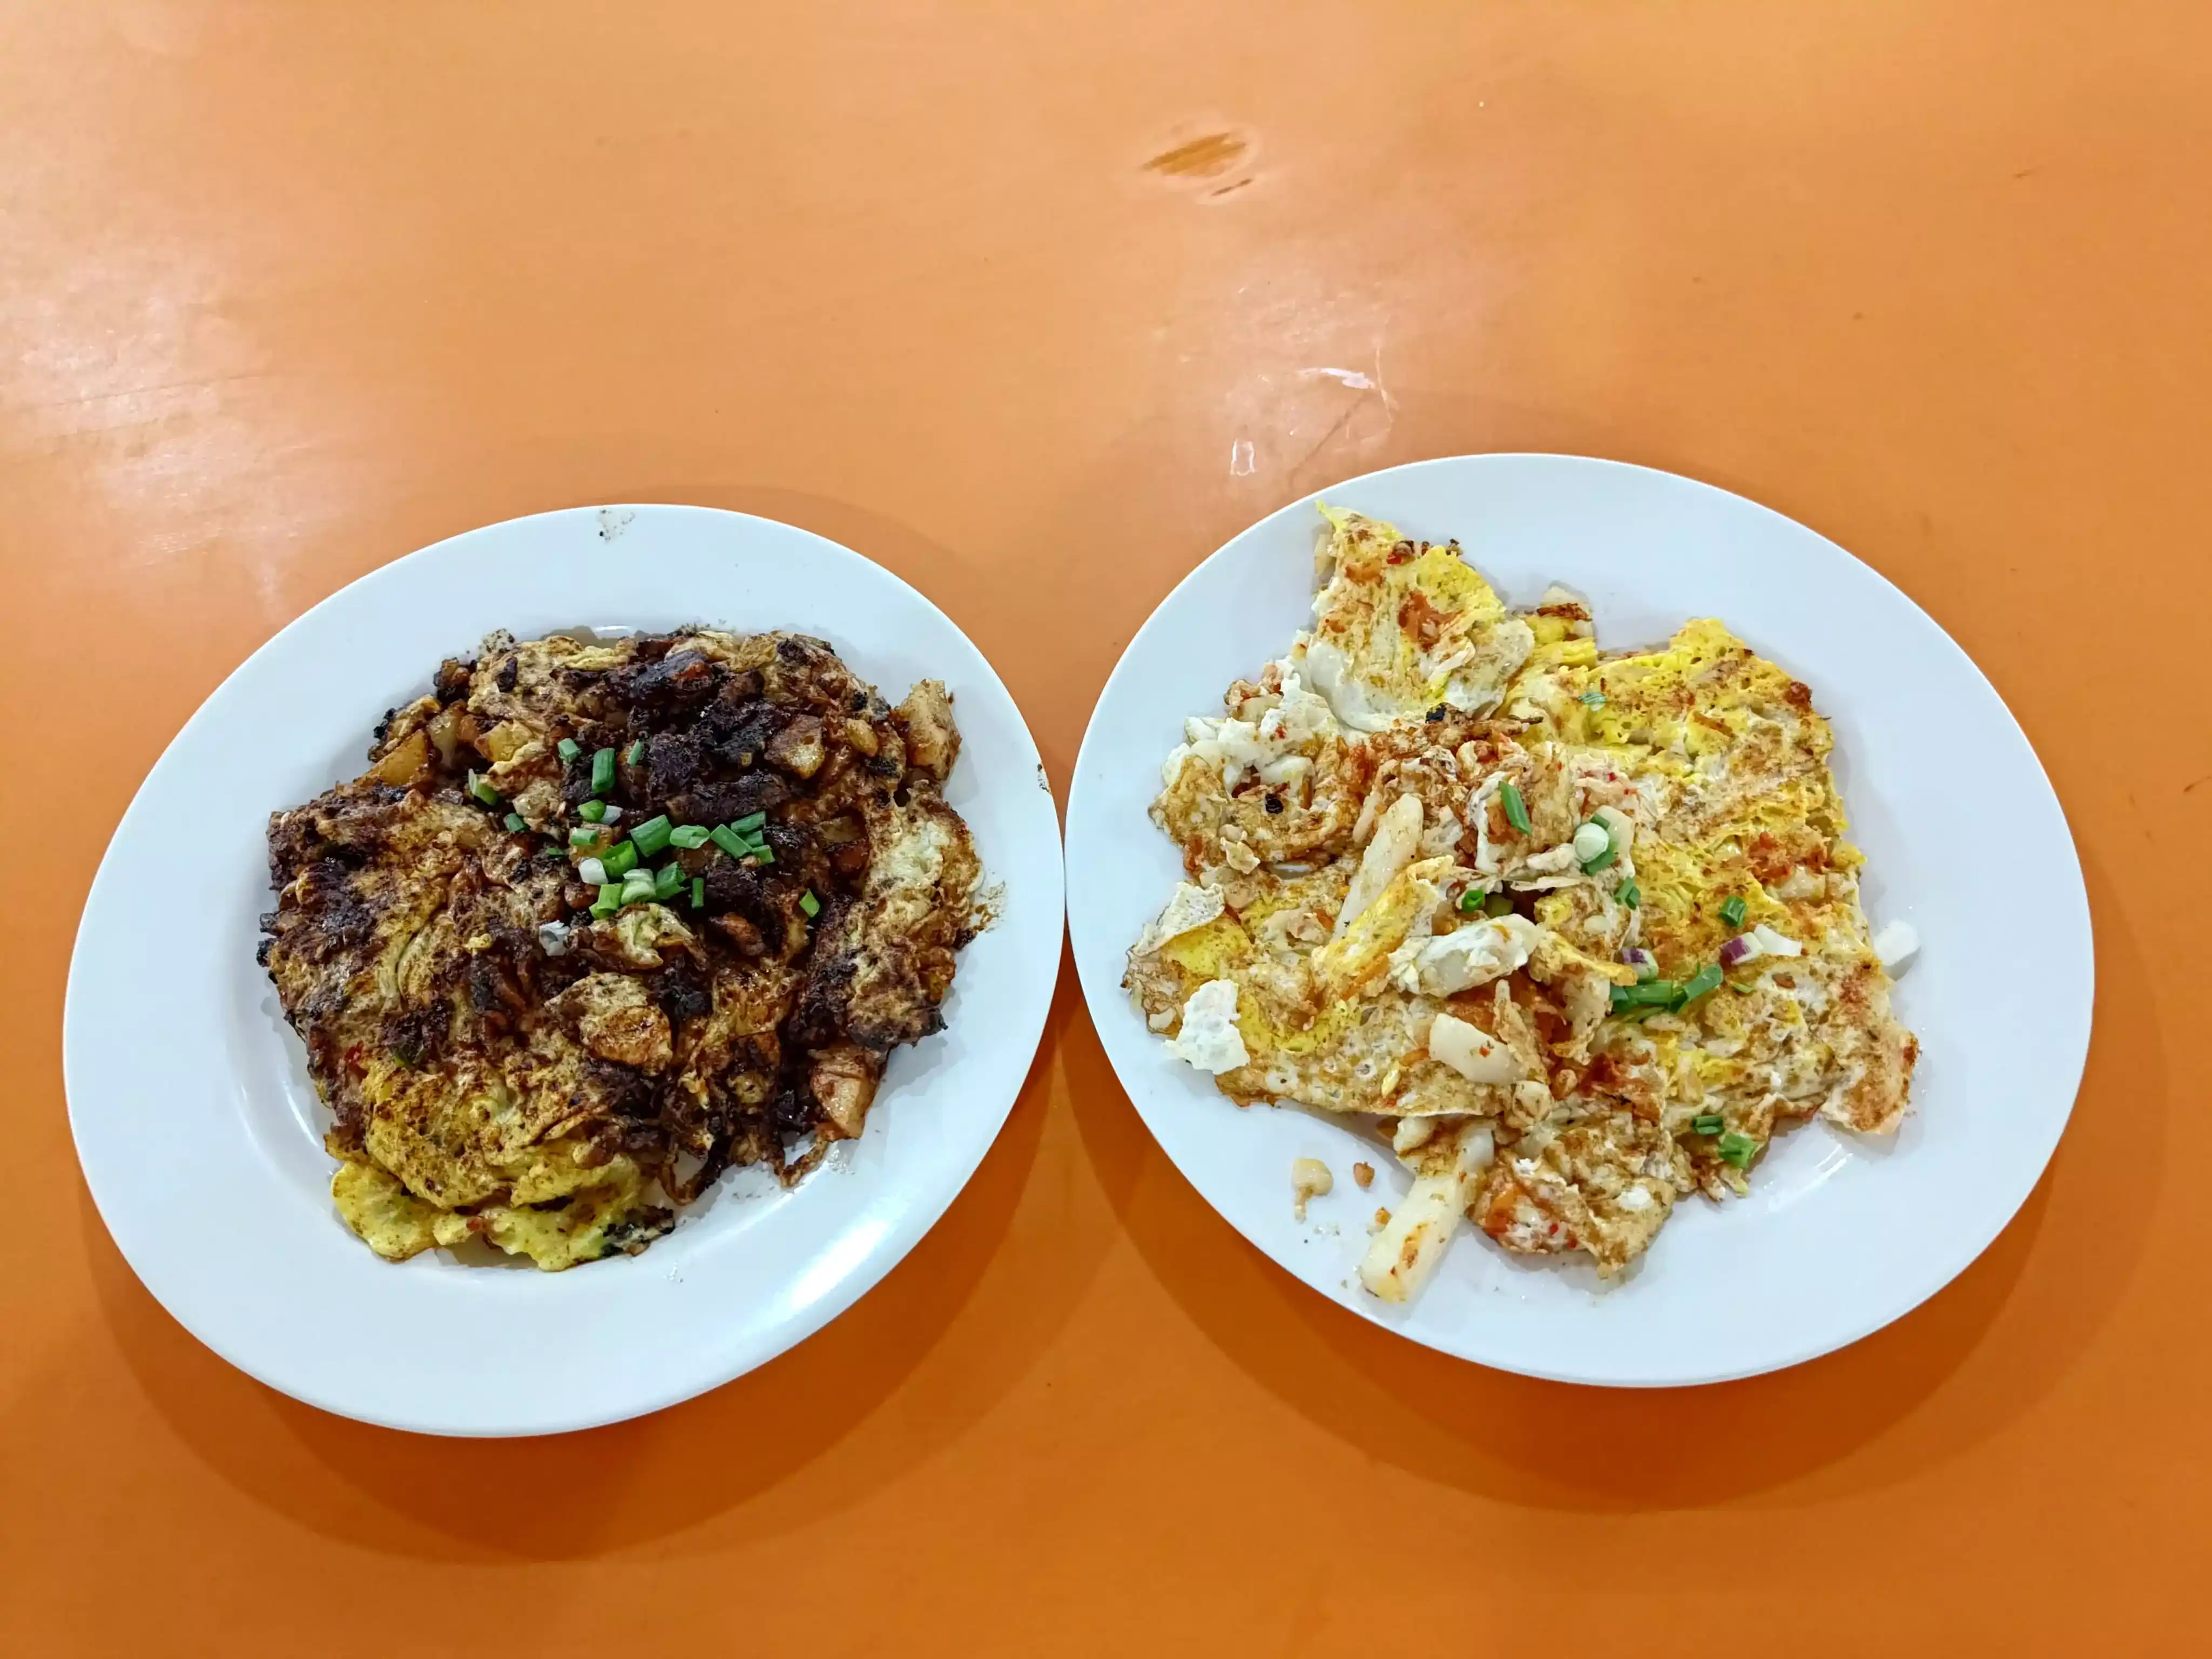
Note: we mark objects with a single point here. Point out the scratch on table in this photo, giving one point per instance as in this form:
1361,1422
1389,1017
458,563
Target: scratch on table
81,398
1334,427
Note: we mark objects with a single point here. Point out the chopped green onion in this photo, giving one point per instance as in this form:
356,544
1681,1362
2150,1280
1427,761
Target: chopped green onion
1629,893
1737,1149
515,823
609,900
698,892
1470,902
652,835
1594,851
620,859
687,835
667,882
810,904
1707,1123
636,755
1649,994
1706,978
1733,910
1592,698
759,852
593,872
749,824
481,789
602,771
729,841
1516,810
569,749
592,811
583,837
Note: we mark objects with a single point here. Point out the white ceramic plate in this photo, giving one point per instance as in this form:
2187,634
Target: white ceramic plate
1839,1236
199,1129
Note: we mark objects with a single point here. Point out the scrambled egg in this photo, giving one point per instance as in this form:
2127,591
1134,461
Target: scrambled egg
1398,628
596,1221
1579,933
603,919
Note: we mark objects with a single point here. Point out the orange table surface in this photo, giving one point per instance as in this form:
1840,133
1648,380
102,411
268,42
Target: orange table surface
1028,302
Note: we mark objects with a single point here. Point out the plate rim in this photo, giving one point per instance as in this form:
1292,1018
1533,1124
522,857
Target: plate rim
914,1221
1911,1297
